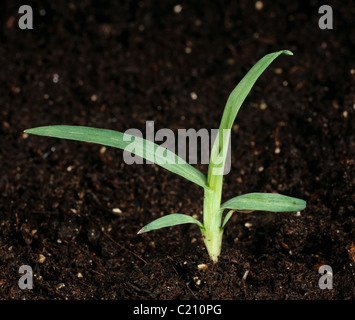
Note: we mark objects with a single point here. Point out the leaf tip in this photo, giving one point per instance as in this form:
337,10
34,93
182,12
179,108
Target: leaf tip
142,231
287,52
303,204
30,131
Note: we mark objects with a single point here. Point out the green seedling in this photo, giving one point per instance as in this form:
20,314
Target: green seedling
214,220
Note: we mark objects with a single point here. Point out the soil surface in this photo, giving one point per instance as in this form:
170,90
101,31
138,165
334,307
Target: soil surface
71,211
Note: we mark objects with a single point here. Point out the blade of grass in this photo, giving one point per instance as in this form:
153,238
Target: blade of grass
234,102
240,92
220,147
227,217
143,148
264,201
168,221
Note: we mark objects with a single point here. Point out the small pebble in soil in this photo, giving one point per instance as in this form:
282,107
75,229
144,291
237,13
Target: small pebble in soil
55,78
116,210
245,274
60,286
202,266
41,258
248,225
259,5
193,96
197,281
263,106
178,8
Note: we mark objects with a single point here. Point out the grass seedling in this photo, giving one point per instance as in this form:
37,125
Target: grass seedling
213,220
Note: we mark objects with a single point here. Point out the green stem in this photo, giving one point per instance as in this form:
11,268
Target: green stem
212,215
213,242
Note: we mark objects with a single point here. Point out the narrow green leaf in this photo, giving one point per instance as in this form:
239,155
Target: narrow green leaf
234,102
142,147
265,201
227,217
168,221
240,92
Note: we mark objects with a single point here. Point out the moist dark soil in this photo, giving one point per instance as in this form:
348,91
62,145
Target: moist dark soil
71,210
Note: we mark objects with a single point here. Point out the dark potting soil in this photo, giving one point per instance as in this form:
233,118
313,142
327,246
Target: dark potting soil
71,211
